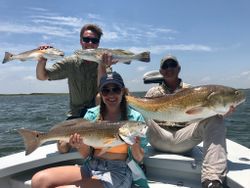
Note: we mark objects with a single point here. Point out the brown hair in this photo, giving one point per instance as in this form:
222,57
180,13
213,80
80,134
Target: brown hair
93,27
123,106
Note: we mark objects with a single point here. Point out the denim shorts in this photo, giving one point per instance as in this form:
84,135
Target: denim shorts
112,173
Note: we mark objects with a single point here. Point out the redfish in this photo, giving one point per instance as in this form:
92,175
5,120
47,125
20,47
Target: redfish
190,104
123,56
101,134
47,52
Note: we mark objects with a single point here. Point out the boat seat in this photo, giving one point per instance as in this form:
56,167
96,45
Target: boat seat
174,170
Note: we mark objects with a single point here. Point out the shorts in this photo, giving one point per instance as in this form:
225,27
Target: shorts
112,173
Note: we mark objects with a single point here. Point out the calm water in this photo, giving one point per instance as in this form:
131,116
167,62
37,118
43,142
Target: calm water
40,112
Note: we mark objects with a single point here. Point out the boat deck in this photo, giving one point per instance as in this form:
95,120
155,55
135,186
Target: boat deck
162,170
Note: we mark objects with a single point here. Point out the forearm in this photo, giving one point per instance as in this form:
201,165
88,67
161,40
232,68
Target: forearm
41,72
84,150
101,72
137,153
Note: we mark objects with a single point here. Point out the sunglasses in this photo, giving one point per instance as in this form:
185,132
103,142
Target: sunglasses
168,65
93,40
115,90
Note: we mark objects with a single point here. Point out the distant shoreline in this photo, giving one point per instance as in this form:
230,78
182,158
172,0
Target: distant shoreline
23,94
20,94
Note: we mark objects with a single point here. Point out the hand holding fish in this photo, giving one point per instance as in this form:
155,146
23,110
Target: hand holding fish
230,111
137,150
41,58
107,59
76,141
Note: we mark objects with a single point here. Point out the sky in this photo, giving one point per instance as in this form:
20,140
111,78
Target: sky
211,39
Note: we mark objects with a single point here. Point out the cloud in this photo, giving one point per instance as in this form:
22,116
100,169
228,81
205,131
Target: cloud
94,16
58,20
29,78
36,29
49,26
205,79
141,68
37,9
159,49
245,73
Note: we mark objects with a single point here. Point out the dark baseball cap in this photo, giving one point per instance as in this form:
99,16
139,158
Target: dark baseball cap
111,78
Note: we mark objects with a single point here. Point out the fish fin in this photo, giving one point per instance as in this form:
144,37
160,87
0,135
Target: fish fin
31,140
73,122
128,139
144,56
109,141
7,57
194,111
103,150
125,52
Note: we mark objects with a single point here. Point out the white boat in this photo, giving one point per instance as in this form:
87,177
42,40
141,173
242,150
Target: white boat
162,169
151,77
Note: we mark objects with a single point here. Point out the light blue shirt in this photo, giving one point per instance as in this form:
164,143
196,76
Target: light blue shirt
92,115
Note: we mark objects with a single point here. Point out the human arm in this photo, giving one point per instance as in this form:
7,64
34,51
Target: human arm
41,72
107,61
137,151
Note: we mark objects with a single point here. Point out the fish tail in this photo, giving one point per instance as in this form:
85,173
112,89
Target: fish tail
7,57
31,140
144,56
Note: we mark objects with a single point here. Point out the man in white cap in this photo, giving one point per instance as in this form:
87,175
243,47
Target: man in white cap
182,139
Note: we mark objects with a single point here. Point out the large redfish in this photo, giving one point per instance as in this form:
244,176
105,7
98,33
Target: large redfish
190,104
101,134
119,55
47,52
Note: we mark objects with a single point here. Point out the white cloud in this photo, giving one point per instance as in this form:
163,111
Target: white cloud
36,29
94,16
58,20
37,9
141,68
245,73
205,79
159,49
29,78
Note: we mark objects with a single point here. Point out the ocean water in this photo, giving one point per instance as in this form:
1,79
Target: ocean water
41,112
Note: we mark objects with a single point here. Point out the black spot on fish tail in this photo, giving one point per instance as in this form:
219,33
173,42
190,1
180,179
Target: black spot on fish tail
31,140
7,57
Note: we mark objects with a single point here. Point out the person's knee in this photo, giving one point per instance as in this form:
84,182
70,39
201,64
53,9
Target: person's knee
214,122
40,179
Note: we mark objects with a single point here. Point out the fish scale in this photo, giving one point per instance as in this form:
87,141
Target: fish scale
189,104
119,55
96,134
47,52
